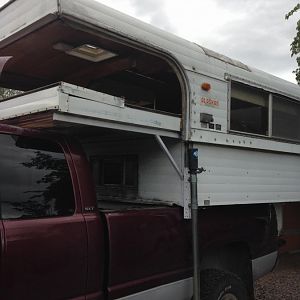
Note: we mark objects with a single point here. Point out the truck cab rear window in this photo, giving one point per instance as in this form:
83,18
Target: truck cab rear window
34,179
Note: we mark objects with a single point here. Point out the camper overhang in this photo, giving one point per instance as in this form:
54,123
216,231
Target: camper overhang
53,41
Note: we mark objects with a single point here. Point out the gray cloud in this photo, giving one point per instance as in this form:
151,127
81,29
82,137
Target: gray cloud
155,10
262,38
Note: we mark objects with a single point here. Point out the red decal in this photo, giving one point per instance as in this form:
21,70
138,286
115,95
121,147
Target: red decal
210,102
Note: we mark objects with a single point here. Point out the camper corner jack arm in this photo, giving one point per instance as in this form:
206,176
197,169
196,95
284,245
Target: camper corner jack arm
169,155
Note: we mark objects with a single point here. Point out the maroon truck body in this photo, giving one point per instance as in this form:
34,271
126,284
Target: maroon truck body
112,253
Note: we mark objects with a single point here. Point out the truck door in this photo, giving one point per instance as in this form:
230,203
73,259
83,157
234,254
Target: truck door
2,244
45,241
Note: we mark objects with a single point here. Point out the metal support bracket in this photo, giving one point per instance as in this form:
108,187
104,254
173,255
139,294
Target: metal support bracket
169,155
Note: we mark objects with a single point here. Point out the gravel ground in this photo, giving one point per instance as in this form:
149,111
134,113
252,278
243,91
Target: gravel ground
283,282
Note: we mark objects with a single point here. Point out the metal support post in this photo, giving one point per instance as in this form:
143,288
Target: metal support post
194,170
196,265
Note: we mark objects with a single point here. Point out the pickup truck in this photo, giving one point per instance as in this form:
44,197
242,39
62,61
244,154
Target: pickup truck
57,242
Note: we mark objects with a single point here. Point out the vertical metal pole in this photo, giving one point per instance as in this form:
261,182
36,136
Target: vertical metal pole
196,267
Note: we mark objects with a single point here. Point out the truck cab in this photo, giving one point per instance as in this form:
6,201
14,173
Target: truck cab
57,242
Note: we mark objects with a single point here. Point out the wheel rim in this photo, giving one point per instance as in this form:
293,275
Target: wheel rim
228,296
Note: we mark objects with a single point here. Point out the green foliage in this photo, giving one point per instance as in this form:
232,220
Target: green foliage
6,93
295,45
295,9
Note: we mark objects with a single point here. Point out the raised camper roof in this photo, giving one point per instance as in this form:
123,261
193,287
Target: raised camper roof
90,45
57,22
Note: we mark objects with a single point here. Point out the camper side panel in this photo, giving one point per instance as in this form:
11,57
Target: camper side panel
208,110
240,176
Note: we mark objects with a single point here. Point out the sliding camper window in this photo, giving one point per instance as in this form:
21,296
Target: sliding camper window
116,177
248,109
257,111
285,118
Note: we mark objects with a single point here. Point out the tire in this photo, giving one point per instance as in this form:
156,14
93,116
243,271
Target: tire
221,285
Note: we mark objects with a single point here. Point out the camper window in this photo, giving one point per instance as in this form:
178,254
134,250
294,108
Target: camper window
115,177
285,118
248,109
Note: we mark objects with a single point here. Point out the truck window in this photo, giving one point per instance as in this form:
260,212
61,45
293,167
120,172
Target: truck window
34,179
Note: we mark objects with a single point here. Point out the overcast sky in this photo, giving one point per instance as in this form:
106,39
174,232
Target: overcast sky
252,31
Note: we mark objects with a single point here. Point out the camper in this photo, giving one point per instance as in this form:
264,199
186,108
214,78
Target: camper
136,164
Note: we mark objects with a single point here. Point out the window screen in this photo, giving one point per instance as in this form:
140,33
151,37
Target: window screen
34,179
249,109
286,118
115,177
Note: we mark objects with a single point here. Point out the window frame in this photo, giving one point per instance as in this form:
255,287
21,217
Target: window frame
229,111
270,111
123,158
285,100
118,192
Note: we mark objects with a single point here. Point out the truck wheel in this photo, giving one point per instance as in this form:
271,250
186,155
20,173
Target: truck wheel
221,285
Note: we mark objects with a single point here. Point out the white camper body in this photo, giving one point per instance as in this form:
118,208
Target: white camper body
234,114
